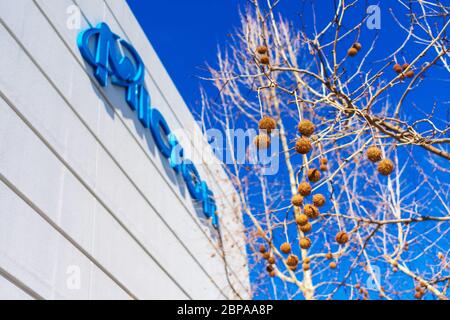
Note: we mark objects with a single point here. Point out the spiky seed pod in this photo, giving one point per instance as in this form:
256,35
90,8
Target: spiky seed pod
333,265
262,141
324,161
311,211
293,268
385,167
304,188
264,59
313,175
323,167
301,219
306,266
262,50
271,260
297,200
306,228
272,274
405,66
262,249
306,260
357,46
305,243
342,237
285,248
410,73
292,260
303,145
266,255
418,295
268,124
269,268
306,128
397,68
352,52
374,154
329,256
318,200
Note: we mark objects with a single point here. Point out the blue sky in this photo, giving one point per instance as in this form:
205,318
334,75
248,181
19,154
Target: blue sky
186,36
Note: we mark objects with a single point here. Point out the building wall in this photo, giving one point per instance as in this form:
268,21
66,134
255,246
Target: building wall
89,208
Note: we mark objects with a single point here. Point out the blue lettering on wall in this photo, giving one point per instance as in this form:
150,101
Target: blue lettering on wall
100,48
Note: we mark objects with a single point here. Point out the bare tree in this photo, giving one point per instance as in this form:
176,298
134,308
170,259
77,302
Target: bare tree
359,208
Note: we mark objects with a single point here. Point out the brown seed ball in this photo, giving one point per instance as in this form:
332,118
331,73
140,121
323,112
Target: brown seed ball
306,266
297,200
318,200
303,145
323,167
305,243
405,66
329,256
262,49
269,268
440,256
271,260
385,167
301,219
268,124
409,74
333,265
292,260
272,274
313,175
266,255
306,260
306,228
285,248
374,154
262,249
262,141
264,60
306,128
357,46
418,295
324,161
293,268
342,237
397,68
311,211
352,52
304,188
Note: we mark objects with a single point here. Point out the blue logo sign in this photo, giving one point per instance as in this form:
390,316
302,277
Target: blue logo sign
100,48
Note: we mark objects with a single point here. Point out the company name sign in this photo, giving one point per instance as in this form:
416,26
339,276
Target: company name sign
100,48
